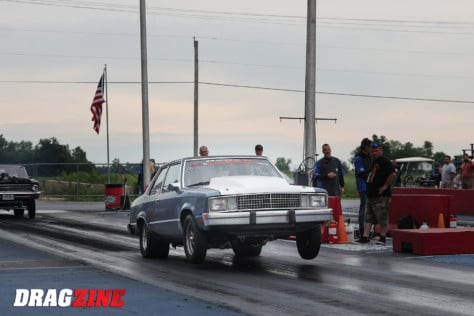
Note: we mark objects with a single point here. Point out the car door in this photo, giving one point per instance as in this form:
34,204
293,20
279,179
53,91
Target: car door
168,202
153,216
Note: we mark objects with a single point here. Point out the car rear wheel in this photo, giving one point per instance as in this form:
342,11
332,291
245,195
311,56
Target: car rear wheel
152,247
19,212
242,249
195,241
309,242
31,209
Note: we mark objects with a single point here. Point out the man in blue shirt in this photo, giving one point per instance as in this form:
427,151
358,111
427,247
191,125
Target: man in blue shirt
362,163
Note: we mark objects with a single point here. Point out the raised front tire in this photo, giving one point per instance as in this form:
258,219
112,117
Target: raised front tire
152,247
19,212
242,249
195,241
31,209
309,242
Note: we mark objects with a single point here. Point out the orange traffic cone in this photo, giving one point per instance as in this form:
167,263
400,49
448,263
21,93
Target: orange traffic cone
341,231
441,221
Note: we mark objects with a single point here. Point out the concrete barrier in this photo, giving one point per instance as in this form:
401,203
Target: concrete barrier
434,241
422,207
463,199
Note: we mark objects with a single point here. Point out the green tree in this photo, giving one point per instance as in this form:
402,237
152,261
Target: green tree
284,165
79,155
394,149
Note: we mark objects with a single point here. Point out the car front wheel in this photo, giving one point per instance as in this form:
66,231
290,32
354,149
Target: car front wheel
19,212
195,241
309,242
151,247
31,209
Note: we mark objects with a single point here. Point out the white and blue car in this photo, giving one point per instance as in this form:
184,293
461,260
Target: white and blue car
238,202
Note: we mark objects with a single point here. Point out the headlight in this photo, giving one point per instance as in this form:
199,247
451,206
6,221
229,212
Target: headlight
222,204
316,200
35,188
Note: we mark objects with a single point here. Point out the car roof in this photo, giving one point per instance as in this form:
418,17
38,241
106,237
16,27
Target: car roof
414,159
219,157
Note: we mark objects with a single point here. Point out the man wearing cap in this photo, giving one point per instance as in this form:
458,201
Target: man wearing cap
362,163
258,150
328,173
379,183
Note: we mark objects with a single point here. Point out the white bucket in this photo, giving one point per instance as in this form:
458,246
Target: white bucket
350,233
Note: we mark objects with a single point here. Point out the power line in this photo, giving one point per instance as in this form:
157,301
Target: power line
255,17
278,66
247,87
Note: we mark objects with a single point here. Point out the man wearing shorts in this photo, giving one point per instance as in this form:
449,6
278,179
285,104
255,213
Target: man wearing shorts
379,192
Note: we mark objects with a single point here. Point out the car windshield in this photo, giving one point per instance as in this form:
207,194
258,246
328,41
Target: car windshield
200,172
14,171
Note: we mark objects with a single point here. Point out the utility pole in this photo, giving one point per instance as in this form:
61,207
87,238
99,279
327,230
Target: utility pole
304,119
310,89
471,150
196,98
145,115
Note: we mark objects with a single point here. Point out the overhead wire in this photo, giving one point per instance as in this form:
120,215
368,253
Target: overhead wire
335,22
246,87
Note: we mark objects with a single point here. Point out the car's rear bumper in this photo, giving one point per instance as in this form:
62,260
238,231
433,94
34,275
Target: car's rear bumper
263,217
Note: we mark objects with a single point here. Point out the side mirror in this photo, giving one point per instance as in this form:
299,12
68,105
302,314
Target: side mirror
174,186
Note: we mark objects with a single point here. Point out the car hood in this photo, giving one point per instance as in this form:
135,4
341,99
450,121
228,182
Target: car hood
252,184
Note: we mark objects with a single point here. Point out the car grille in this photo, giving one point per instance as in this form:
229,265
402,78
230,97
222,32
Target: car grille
268,201
15,187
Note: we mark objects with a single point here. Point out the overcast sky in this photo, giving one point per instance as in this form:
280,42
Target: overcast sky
384,67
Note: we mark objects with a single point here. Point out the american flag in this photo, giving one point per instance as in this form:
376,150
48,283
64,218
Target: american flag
96,106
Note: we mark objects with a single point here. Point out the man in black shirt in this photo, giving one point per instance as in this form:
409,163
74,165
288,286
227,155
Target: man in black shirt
379,193
328,173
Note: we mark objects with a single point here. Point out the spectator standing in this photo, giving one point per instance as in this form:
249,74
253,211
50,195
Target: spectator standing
203,151
152,168
448,171
457,184
362,163
328,173
379,192
467,172
258,150
141,187
436,175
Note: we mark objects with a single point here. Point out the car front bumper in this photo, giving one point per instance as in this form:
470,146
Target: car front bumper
263,217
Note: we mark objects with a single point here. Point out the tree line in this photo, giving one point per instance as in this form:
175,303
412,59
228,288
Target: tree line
393,149
57,157
50,151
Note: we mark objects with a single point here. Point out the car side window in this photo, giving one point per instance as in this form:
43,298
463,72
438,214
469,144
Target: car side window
156,189
171,177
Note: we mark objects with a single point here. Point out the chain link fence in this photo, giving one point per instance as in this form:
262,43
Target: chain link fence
85,181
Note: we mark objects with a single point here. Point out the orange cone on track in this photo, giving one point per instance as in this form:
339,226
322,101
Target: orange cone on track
441,221
341,231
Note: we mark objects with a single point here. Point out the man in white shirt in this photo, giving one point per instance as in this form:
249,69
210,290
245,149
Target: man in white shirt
448,171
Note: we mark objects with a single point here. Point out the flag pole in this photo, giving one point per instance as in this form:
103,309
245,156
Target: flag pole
107,121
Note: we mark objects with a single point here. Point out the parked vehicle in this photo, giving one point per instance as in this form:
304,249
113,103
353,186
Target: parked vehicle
238,202
415,171
18,191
